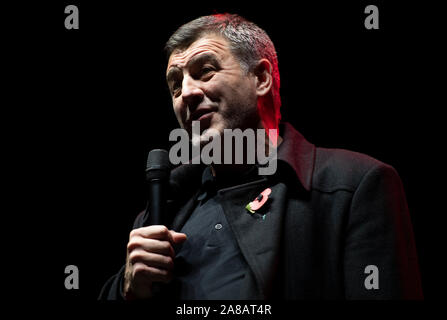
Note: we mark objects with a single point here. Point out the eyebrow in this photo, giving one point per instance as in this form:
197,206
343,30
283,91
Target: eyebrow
201,58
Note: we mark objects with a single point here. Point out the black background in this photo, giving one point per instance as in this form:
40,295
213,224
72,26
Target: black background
92,102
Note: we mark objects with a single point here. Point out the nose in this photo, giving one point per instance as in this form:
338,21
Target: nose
192,94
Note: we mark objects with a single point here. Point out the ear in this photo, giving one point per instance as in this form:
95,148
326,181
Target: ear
264,80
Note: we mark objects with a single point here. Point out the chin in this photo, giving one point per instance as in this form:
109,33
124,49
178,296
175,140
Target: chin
208,134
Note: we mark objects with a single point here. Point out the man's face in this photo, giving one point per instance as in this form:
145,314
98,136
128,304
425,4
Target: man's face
207,84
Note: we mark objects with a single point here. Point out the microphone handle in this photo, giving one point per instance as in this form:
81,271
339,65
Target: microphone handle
157,202
155,215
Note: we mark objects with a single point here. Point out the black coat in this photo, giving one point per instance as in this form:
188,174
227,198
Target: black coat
331,214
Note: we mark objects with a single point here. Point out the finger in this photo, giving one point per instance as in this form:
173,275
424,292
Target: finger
178,237
152,232
151,259
142,271
151,245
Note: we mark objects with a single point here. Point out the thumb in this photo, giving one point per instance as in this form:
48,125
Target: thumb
178,237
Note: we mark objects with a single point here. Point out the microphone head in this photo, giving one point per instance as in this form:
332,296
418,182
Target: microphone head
158,165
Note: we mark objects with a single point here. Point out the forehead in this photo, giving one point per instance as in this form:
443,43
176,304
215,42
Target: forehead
212,43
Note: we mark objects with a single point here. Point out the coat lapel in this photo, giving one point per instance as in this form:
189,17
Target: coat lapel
258,236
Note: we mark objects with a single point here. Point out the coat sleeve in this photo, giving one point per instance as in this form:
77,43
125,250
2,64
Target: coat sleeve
113,288
380,260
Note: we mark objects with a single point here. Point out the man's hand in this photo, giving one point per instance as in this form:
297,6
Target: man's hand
150,257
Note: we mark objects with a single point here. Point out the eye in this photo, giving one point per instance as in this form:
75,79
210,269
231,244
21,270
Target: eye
206,72
207,69
175,90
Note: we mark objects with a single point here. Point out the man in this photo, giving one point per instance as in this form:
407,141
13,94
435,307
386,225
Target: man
328,224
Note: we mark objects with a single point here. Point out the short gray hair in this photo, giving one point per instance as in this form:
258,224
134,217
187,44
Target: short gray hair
248,42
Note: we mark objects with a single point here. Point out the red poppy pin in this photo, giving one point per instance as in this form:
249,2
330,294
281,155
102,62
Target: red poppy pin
256,204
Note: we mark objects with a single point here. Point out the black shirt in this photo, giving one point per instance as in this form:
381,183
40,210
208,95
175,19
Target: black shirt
210,263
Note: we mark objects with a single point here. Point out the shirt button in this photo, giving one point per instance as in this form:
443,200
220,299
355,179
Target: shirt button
218,226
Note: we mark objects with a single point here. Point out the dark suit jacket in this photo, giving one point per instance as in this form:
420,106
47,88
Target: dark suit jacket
331,214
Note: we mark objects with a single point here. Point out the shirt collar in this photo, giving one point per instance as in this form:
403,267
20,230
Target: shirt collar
208,179
294,151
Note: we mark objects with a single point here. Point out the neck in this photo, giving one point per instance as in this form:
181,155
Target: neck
272,140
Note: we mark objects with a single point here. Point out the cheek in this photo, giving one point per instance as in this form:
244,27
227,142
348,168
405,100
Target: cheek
231,90
221,91
223,86
242,95
213,90
178,113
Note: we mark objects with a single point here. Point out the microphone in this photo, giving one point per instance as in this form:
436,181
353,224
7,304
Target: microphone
157,176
